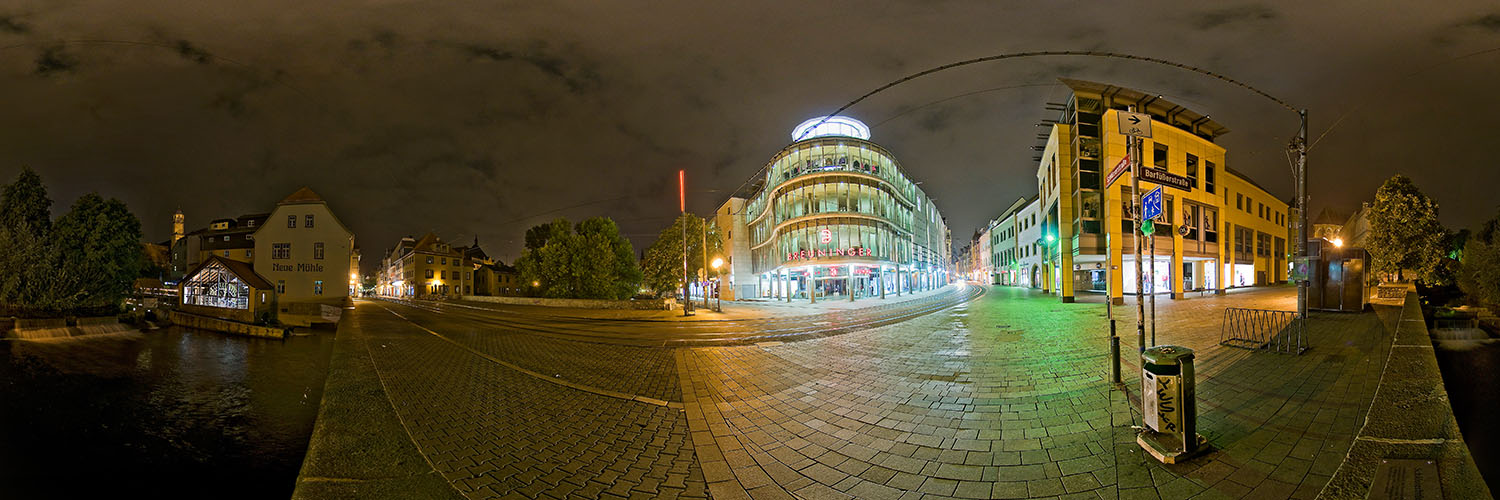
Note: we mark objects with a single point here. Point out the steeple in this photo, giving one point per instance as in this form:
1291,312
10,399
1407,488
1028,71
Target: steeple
177,226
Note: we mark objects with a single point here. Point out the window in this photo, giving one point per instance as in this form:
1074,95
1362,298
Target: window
281,250
318,250
226,237
291,221
1159,160
429,274
1208,176
1239,201
280,286
318,287
309,220
443,275
445,261
429,261
226,253
262,297
251,223
249,253
1192,169
468,275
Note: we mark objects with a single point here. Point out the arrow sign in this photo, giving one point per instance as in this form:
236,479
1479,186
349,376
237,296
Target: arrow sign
1115,173
1135,124
1151,204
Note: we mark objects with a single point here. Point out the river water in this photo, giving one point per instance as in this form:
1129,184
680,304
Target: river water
172,413
1471,374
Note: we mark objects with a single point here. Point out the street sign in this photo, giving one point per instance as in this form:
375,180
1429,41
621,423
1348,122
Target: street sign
1151,203
1135,124
1148,228
1166,179
1182,230
1115,173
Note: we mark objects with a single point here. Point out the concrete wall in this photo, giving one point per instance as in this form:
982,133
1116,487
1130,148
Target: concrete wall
649,304
219,325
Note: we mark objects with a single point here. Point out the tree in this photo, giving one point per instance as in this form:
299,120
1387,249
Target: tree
25,262
97,244
662,264
589,261
1405,233
1479,271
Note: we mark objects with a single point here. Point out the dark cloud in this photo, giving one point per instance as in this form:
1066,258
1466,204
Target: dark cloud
191,52
1487,22
578,76
14,25
55,60
1233,16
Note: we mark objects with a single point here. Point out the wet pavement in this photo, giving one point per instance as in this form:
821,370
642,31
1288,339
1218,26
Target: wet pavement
1002,396
172,413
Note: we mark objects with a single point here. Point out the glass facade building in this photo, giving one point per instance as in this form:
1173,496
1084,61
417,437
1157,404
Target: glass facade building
835,216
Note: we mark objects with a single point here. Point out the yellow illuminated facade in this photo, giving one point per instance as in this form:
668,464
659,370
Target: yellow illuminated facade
1225,232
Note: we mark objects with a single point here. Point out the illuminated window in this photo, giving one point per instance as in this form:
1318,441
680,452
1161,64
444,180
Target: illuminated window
429,261
248,253
318,287
429,274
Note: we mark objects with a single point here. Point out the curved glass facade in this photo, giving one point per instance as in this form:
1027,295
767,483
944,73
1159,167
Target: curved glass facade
836,216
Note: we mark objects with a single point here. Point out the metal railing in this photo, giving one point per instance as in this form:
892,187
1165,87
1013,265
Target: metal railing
1264,329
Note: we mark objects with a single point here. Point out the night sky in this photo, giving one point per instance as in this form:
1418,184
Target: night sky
482,118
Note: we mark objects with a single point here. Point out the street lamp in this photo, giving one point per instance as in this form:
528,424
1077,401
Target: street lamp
718,295
1338,243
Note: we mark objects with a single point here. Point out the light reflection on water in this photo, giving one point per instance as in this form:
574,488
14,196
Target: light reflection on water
170,413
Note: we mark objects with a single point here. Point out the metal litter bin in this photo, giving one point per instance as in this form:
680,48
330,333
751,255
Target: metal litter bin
1168,406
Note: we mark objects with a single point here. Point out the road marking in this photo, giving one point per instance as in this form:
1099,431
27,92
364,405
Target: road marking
1402,441
540,376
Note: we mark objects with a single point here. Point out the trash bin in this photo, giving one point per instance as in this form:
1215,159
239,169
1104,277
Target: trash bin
1168,406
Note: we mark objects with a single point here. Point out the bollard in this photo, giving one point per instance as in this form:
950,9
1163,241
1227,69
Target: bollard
1168,405
1114,355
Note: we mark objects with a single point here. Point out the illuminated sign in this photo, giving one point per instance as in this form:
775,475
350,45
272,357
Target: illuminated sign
825,236
836,252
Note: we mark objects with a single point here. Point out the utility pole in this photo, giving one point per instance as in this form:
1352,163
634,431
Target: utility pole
1135,188
1151,242
687,299
1300,143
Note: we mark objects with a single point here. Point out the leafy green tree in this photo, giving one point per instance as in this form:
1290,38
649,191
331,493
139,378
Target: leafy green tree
97,244
1405,233
25,262
592,260
1479,271
662,265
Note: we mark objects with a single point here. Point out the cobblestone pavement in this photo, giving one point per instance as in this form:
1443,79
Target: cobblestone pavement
1003,397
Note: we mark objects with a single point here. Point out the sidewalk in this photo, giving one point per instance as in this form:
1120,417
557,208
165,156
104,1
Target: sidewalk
732,310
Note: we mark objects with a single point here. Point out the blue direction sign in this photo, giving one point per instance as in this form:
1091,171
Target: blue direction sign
1151,204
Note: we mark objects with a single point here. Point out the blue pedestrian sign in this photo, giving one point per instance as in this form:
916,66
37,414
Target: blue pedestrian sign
1151,204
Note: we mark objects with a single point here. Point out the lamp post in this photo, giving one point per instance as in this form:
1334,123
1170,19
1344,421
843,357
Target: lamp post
718,295
687,298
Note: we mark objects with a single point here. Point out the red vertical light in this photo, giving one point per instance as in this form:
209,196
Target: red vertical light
682,191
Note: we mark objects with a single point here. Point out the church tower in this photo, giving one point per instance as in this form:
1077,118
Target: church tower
177,226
